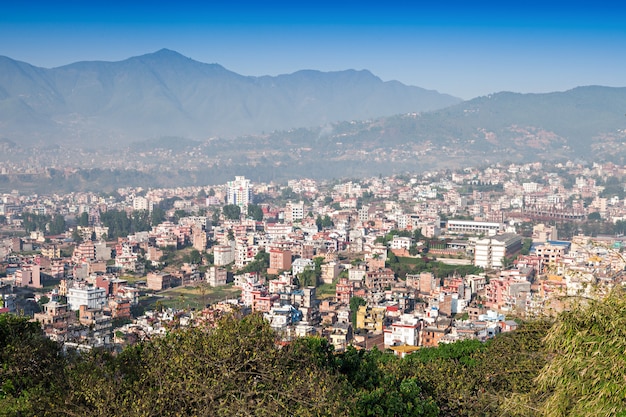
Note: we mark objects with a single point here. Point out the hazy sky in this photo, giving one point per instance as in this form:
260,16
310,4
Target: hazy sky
463,48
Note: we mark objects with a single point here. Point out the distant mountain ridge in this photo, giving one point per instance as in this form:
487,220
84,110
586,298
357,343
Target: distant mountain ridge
167,94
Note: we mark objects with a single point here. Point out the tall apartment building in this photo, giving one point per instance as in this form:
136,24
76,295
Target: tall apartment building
216,276
489,252
294,211
142,203
239,192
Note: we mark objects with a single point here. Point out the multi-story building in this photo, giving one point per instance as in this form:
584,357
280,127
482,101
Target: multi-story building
239,192
142,203
280,260
490,252
330,272
403,332
223,255
370,318
473,227
28,276
92,297
344,291
199,238
379,279
158,282
84,252
294,212
216,276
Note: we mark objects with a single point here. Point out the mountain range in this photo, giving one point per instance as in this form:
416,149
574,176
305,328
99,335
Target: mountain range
176,121
166,94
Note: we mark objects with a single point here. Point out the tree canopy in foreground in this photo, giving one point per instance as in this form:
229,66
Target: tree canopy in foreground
572,367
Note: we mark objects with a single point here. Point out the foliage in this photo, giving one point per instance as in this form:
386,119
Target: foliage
231,211
83,219
526,246
355,302
193,257
587,373
403,265
572,367
255,212
235,369
120,225
260,264
323,222
30,367
57,225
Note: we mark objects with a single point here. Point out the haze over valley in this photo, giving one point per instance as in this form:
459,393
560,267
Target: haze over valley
161,119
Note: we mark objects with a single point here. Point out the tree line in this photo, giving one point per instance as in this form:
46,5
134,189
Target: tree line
572,366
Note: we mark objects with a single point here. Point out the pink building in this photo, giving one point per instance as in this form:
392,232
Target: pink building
344,291
28,276
280,260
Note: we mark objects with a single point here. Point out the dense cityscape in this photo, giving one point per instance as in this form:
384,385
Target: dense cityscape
393,262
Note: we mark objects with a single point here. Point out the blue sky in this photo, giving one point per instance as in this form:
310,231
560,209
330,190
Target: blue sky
466,49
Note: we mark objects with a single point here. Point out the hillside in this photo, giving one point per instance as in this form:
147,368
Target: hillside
167,94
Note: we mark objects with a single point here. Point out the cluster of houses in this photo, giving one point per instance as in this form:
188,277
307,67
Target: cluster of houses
335,237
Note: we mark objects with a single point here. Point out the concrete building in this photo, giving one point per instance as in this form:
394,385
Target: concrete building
473,227
239,192
92,297
216,276
158,282
299,265
490,252
28,276
403,332
294,212
223,255
280,260
370,318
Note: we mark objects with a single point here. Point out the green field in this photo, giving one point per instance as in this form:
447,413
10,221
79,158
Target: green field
190,297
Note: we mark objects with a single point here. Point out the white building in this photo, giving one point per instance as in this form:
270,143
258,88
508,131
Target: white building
472,227
92,297
142,203
239,192
302,264
294,212
489,252
403,332
400,242
223,255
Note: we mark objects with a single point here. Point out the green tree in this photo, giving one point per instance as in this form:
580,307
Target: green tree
355,302
232,211
234,369
31,368
83,219
157,216
595,216
255,212
57,225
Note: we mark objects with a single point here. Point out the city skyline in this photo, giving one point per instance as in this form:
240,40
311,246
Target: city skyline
458,48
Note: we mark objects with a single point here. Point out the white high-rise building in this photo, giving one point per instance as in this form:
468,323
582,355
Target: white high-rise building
239,192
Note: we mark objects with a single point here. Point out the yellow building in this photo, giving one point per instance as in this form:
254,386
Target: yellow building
370,318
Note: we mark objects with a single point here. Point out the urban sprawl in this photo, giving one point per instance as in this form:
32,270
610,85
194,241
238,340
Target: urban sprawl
400,262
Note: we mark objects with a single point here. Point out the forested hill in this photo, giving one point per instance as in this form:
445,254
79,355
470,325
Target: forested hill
573,366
